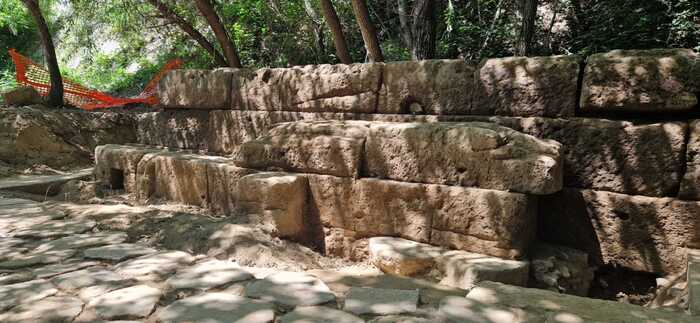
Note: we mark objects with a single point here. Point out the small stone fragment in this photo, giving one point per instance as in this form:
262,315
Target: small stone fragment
118,252
208,274
217,308
291,289
131,302
376,301
401,256
319,314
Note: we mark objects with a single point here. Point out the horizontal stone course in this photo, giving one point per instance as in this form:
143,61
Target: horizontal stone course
690,184
196,89
642,233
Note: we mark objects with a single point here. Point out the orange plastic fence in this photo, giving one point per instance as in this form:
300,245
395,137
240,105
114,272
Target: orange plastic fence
36,76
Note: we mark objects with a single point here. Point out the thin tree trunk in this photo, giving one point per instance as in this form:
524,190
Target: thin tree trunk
548,39
369,33
331,17
207,10
404,24
55,98
489,33
172,16
317,27
423,30
528,11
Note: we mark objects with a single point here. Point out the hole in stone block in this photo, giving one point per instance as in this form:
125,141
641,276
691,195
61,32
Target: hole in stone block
116,179
622,215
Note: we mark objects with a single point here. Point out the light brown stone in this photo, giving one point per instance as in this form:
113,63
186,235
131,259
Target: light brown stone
402,257
222,185
690,183
115,165
23,95
527,86
182,177
470,154
658,80
184,129
431,86
642,233
196,89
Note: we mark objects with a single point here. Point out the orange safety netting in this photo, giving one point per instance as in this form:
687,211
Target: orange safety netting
36,76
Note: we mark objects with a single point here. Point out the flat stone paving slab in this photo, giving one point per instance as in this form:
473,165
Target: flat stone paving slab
208,274
290,289
154,266
217,308
55,229
463,269
39,258
131,302
92,276
51,309
15,201
34,290
16,277
62,268
84,240
319,314
376,301
118,252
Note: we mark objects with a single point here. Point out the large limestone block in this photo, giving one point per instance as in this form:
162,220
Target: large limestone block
642,233
280,198
184,129
619,156
494,222
527,86
115,165
659,80
464,270
196,89
331,148
312,88
182,177
427,87
473,154
402,257
690,184
222,185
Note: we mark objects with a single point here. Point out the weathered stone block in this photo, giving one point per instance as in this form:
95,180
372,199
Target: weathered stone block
116,165
690,184
560,269
345,244
642,233
402,257
222,185
317,88
332,148
464,270
496,223
181,177
431,86
23,95
279,198
527,86
473,154
196,89
184,129
659,80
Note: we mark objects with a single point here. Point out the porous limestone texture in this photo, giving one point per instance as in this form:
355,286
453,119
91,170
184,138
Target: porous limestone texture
196,89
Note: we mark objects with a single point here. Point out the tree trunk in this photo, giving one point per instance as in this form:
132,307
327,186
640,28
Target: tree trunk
491,28
317,27
331,17
55,98
369,34
172,16
423,30
404,24
207,10
528,9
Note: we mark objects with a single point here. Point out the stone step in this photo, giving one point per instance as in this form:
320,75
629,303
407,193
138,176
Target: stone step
43,184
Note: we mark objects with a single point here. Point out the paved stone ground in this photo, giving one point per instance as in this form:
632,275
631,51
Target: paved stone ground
58,268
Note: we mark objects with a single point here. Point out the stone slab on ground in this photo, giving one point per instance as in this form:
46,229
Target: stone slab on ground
527,86
471,154
55,229
130,303
93,276
43,184
62,268
154,267
401,256
461,310
464,270
83,240
118,252
290,289
694,282
638,232
537,305
208,274
50,309
8,278
657,80
377,301
16,201
319,314
33,290
39,258
402,319
217,308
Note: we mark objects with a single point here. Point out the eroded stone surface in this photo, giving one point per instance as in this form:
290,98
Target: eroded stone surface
208,274
55,229
560,269
196,89
118,252
115,165
36,258
217,307
318,314
51,309
472,154
184,129
78,241
33,290
290,289
131,302
94,276
400,256
381,301
62,268
464,269
156,266
640,81
690,183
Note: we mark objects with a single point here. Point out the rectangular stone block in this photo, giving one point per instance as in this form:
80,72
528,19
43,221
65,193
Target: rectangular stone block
690,184
184,129
658,80
332,148
317,88
473,154
493,220
427,87
637,232
527,86
222,185
196,89
116,165
181,177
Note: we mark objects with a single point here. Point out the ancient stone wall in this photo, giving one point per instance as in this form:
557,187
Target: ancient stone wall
620,124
